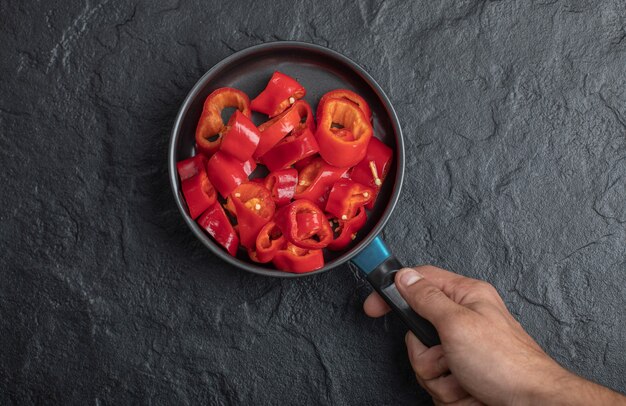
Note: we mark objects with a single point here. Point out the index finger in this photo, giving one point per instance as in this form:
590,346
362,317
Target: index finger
375,305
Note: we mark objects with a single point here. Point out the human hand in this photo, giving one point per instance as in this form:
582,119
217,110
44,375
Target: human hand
485,355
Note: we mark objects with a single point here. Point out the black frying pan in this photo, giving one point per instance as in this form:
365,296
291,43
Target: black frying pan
319,70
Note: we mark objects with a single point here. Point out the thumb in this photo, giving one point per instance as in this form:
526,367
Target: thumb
425,298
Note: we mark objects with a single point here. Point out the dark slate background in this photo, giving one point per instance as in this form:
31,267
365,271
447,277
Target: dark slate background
515,118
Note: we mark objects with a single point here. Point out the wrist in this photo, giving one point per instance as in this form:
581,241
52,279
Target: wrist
557,386
543,382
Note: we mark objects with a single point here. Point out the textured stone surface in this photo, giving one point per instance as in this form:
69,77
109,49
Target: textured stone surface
515,117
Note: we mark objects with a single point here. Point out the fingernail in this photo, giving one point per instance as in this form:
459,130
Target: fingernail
409,276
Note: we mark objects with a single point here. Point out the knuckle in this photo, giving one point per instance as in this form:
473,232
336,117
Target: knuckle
487,290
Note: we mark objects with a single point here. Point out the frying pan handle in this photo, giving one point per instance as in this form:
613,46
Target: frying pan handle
379,266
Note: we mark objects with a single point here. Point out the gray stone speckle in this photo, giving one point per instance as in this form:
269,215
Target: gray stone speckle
515,121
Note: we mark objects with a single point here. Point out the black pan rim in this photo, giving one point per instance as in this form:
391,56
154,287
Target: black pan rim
204,81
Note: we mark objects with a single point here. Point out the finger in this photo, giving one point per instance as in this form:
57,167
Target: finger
375,306
413,345
445,389
428,363
425,298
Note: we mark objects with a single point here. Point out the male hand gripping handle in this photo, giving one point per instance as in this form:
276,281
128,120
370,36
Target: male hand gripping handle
485,356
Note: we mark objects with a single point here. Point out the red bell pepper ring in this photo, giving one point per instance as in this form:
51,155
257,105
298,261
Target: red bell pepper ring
373,169
345,146
316,179
347,95
191,166
346,197
304,225
269,241
199,193
276,129
242,137
215,222
282,185
298,260
255,208
281,92
298,145
211,126
347,230
226,172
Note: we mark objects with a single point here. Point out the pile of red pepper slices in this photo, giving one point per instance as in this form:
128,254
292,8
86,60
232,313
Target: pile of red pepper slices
324,172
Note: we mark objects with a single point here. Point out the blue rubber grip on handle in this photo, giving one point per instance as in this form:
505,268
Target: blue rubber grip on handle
379,267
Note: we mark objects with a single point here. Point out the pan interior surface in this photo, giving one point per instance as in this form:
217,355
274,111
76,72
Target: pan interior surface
319,70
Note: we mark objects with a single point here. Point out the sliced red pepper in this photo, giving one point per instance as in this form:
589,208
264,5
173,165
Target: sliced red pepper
373,169
298,260
211,126
281,92
282,185
215,222
308,224
259,180
316,179
306,115
242,137
346,145
199,193
304,225
347,95
298,145
254,208
190,166
226,172
301,164
347,230
346,197
268,242
249,166
276,129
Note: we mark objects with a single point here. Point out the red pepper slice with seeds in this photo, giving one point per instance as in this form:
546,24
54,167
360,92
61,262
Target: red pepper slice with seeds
347,95
211,126
373,169
254,208
217,225
298,145
304,225
269,241
281,92
345,145
226,172
282,185
347,230
199,193
298,260
346,197
242,137
316,179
